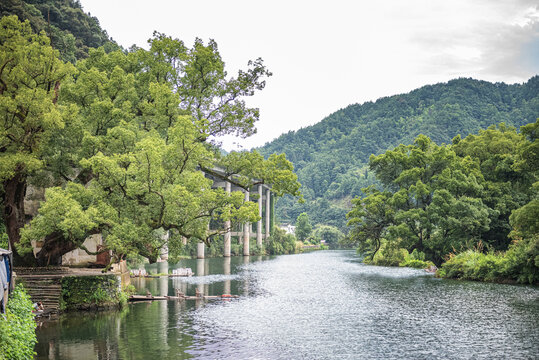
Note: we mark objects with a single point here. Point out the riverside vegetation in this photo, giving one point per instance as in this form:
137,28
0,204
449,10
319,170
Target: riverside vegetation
471,207
17,327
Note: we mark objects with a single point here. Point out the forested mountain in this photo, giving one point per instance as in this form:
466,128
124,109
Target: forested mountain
330,157
71,30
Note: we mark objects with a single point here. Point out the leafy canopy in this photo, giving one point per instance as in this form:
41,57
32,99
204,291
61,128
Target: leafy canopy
131,152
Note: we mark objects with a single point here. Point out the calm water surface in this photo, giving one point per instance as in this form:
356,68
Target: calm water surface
321,305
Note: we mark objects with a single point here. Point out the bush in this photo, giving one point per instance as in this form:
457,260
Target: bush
522,260
4,240
236,249
254,249
519,264
416,260
390,254
281,243
17,327
417,264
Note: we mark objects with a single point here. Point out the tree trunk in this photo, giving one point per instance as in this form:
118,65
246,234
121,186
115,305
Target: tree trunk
54,247
14,217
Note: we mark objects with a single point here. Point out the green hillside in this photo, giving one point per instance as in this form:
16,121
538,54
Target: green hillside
71,30
330,157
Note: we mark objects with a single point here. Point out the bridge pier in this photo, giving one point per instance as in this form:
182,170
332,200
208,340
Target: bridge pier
228,235
263,231
268,211
246,231
259,222
200,250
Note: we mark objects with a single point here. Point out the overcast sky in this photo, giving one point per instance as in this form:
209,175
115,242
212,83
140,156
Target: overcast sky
326,55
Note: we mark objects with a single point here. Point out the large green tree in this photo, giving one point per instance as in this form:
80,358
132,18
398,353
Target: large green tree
434,200
508,185
369,220
303,227
30,78
127,157
330,234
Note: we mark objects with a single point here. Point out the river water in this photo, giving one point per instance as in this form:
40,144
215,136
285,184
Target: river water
319,305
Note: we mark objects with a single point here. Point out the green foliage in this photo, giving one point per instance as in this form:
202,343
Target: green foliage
303,227
473,265
433,204
522,260
524,220
447,199
130,137
417,264
331,156
28,113
86,292
330,234
416,259
254,249
72,31
390,254
4,240
518,264
281,243
17,327
368,220
498,151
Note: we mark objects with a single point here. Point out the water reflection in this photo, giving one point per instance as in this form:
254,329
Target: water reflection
226,271
320,305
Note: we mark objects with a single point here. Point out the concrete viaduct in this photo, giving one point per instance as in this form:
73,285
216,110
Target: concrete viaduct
262,194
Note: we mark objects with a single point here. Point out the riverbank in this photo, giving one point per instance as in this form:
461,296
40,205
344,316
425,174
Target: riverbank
512,267
67,289
516,265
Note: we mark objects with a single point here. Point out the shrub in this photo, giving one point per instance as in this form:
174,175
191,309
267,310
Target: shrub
417,264
416,260
236,249
17,327
519,264
281,243
390,254
522,260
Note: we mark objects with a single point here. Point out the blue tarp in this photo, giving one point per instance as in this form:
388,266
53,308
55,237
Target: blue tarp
6,277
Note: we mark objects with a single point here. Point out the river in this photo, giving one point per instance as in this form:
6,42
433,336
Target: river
319,305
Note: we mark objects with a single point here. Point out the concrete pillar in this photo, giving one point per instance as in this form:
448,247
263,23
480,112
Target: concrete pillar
200,287
259,222
268,210
246,231
200,250
226,271
227,227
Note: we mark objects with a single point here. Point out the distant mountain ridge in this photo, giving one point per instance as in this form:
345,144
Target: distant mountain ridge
330,157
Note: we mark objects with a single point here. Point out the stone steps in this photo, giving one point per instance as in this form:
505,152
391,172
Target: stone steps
43,288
